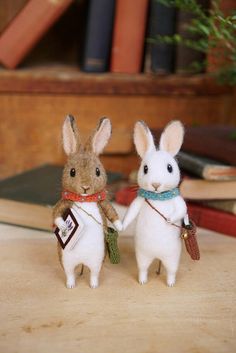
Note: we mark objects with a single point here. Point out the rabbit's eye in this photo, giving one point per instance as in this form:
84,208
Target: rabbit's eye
169,168
72,172
98,172
145,169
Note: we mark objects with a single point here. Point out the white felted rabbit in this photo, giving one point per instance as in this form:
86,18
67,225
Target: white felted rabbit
158,178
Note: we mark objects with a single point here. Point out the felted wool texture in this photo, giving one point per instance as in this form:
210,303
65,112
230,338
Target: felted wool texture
109,210
85,164
85,161
60,208
155,238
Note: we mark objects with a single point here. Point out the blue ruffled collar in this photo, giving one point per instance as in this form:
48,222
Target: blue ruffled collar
160,196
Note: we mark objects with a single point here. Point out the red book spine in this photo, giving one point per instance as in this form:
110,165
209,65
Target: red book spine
213,219
129,36
126,195
27,28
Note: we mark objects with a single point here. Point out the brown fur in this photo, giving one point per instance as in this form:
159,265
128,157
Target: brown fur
60,208
109,210
85,161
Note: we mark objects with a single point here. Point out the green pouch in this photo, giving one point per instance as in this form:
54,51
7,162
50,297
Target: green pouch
112,246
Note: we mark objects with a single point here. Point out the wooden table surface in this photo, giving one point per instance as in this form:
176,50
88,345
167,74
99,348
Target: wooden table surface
38,314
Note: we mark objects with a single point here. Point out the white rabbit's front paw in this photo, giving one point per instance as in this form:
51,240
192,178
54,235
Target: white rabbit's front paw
118,225
172,219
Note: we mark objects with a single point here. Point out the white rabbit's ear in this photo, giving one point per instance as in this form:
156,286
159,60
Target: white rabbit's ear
143,138
70,135
101,136
172,137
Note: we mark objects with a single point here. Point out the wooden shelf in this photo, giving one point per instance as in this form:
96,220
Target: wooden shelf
34,102
69,80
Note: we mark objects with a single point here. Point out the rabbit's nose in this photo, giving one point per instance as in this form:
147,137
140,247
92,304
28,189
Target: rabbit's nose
85,187
156,185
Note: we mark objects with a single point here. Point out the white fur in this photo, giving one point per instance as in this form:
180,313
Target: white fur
154,237
118,225
90,249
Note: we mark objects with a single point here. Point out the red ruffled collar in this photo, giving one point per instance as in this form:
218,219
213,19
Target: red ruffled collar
72,196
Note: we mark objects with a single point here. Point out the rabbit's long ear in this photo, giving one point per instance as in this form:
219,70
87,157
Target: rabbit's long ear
70,135
100,138
143,138
172,137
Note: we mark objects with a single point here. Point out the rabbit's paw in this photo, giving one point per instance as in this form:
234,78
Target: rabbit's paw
61,224
118,225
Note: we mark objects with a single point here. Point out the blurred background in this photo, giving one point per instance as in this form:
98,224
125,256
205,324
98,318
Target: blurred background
154,60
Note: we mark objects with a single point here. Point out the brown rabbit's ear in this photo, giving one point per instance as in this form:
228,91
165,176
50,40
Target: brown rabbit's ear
70,135
100,138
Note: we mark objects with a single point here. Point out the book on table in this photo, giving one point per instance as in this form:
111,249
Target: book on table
206,168
27,199
204,216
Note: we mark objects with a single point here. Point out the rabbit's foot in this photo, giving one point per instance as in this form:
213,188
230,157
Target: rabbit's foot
70,282
171,280
94,281
142,277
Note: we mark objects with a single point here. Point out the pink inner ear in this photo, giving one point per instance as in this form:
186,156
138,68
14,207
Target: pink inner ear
69,139
143,139
172,138
140,139
101,137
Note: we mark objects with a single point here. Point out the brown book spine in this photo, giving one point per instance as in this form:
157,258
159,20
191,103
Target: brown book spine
8,10
129,36
27,28
217,57
199,189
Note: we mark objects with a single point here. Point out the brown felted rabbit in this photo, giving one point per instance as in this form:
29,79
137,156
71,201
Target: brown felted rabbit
84,181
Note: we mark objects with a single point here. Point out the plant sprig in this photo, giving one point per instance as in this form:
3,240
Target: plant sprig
209,29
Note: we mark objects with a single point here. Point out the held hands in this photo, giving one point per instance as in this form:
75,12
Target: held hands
118,225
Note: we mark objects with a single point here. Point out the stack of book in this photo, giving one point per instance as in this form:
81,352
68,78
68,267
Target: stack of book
114,34
27,199
208,165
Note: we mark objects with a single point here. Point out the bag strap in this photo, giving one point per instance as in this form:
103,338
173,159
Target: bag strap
154,208
90,215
